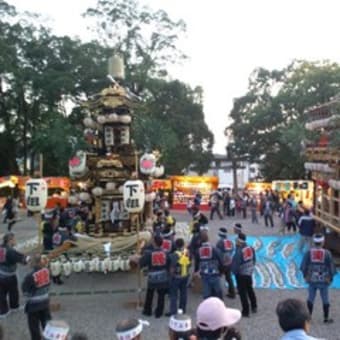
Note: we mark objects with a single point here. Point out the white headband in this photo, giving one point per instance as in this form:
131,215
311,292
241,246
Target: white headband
132,333
318,238
56,330
178,325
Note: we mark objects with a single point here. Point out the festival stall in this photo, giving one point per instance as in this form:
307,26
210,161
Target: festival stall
58,191
300,190
256,188
11,186
164,187
186,187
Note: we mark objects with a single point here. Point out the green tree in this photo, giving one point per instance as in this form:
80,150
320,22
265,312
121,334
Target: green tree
39,74
57,140
146,38
268,121
178,109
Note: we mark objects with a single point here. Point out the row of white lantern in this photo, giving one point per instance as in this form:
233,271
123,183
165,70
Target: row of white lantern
321,123
110,118
98,191
110,186
322,167
96,264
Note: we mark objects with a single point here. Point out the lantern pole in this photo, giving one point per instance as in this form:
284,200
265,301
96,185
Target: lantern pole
138,246
37,216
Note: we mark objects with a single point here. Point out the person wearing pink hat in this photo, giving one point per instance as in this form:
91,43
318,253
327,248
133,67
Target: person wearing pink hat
214,320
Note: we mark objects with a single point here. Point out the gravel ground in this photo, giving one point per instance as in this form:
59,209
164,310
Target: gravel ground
96,314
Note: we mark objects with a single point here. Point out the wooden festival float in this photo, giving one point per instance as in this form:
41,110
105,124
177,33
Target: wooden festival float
115,183
323,166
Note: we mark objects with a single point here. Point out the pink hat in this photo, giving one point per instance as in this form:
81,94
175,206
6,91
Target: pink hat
212,314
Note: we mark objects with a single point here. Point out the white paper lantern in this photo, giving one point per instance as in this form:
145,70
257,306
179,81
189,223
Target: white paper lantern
106,265
55,267
101,119
78,266
121,189
110,186
72,200
147,164
88,122
67,268
84,196
112,118
115,264
150,197
116,67
97,191
125,119
77,165
36,194
134,196
159,171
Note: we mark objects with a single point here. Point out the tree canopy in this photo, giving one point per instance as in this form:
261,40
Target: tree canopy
43,77
268,121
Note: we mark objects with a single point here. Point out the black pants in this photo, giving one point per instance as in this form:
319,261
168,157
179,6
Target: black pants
160,301
291,225
9,288
213,210
229,279
10,225
226,210
270,218
246,291
37,319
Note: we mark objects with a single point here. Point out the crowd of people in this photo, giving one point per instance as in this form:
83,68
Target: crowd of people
172,266
267,204
168,260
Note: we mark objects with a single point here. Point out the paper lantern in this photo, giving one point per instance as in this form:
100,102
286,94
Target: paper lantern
101,119
97,191
125,119
84,196
134,196
147,164
110,186
116,67
36,194
112,118
72,200
77,165
159,171
88,122
55,267
150,197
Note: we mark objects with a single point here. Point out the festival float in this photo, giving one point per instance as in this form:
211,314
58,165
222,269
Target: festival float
115,185
323,166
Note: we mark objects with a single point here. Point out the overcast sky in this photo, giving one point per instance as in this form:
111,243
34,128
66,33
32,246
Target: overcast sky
226,40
